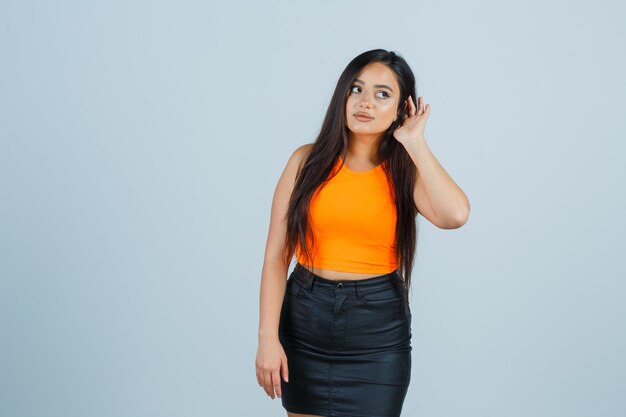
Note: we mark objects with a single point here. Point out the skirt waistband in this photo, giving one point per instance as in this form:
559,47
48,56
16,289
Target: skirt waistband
308,279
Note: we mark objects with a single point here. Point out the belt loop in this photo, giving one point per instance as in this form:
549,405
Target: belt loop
310,277
359,292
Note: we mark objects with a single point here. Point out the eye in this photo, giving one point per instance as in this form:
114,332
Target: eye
386,95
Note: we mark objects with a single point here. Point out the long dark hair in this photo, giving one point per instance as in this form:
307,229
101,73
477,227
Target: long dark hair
332,141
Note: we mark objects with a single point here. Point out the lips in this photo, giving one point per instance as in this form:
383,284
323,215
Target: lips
362,115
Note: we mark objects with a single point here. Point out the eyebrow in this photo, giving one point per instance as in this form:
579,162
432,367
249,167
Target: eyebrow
375,85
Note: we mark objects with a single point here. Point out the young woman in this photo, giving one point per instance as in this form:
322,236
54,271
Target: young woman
338,330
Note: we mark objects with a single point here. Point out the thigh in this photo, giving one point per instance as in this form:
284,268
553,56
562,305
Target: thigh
306,318
379,321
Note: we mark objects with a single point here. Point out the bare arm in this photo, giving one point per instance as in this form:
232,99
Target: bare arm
436,195
274,273
271,357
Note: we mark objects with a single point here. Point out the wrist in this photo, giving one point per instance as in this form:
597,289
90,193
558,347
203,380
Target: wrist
265,335
414,143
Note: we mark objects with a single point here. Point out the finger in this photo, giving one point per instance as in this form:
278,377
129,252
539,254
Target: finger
276,380
270,386
258,377
285,371
420,106
267,383
262,381
412,109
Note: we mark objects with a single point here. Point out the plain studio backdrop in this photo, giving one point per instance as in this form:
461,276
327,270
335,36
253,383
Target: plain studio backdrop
140,144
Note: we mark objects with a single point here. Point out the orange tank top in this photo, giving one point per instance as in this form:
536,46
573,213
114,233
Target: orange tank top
353,217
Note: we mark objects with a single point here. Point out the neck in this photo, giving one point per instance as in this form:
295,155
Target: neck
363,148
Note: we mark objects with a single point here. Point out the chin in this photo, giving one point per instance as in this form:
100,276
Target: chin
372,129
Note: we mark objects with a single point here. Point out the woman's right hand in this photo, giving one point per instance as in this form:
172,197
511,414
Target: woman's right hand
270,360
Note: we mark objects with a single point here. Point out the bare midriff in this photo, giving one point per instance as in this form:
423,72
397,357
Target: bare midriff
340,275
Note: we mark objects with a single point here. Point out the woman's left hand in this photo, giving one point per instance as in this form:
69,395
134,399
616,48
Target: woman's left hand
414,123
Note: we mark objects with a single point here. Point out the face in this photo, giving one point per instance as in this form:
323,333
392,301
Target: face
374,92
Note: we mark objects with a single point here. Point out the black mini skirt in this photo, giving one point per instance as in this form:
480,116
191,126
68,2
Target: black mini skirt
348,345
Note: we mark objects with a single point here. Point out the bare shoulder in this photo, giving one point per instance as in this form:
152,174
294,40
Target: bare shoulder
302,152
287,179
280,203
297,158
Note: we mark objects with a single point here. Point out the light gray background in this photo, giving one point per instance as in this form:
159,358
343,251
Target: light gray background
140,144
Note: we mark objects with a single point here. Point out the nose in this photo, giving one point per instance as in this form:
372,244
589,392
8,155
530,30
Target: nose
365,104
